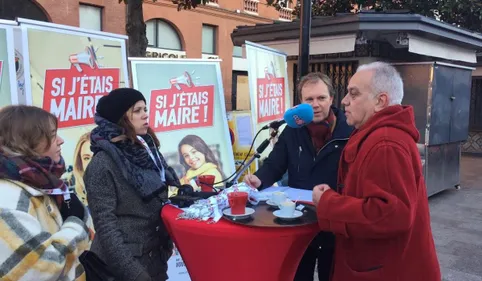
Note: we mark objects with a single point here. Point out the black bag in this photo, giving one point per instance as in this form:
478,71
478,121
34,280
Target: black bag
95,268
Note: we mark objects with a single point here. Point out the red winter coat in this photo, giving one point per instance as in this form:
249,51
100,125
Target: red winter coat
381,218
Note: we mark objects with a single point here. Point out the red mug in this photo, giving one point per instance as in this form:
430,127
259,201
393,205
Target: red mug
237,201
206,182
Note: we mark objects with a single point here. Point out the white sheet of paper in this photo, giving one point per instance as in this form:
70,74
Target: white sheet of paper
293,193
243,128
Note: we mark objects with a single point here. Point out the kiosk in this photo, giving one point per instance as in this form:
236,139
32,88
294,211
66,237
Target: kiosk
440,95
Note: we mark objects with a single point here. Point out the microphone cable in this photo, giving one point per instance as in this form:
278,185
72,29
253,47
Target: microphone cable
244,161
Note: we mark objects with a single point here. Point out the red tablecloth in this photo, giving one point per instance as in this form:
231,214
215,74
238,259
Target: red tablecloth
225,251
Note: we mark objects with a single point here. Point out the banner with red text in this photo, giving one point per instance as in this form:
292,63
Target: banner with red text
185,99
70,70
8,93
268,88
182,107
187,112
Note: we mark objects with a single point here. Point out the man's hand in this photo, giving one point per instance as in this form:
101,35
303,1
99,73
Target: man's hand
318,192
252,181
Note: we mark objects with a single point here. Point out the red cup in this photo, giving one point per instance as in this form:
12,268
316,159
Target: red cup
237,202
206,182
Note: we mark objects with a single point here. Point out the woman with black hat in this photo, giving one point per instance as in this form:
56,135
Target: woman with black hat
127,181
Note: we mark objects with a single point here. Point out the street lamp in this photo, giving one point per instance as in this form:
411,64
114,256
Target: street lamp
305,34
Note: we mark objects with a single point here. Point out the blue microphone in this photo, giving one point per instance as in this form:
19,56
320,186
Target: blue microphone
299,116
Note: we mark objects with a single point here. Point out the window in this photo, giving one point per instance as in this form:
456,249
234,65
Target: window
240,98
285,4
90,17
27,9
161,34
209,39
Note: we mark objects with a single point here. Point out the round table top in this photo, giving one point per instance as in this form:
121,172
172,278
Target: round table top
264,217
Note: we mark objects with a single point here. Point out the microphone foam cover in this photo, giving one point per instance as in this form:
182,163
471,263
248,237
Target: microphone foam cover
299,116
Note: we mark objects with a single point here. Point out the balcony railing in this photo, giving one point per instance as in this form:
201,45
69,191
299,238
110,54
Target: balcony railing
251,6
213,3
286,14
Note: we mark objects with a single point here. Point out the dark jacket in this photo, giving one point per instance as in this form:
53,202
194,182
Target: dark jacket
381,218
130,236
294,152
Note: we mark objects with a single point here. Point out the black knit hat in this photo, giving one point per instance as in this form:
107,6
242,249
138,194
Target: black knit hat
113,106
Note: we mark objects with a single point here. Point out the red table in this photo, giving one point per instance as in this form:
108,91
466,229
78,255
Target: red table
225,251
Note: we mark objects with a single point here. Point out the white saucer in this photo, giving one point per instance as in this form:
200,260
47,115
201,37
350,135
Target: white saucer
271,203
248,212
296,215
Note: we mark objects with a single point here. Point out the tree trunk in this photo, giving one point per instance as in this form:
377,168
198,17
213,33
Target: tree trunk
136,29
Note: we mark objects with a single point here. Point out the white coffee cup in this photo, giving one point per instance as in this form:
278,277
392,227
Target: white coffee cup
287,208
278,196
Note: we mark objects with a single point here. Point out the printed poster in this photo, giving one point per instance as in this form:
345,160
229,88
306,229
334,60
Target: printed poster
187,112
7,93
1,69
19,64
268,87
241,129
69,81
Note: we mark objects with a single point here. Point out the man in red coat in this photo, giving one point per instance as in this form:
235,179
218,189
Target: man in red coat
380,214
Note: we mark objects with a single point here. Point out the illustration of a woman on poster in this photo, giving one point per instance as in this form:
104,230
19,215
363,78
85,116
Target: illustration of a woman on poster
198,159
82,157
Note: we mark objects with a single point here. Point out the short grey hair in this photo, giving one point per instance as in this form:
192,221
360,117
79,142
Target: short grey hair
385,79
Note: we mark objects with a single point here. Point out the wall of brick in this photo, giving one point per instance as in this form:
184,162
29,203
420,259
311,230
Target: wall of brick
189,25
227,15
67,12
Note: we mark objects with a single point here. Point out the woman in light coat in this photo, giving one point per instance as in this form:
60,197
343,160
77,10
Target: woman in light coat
43,228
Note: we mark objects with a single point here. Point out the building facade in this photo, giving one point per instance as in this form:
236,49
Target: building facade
473,145
204,32
340,44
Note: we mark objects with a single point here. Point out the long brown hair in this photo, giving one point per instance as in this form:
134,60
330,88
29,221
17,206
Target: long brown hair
23,129
198,144
130,132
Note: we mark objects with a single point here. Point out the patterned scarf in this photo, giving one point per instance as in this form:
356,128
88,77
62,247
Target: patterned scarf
321,133
132,160
41,173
